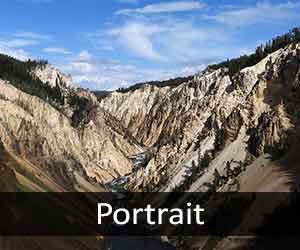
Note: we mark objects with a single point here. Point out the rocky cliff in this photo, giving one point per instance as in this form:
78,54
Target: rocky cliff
157,138
46,136
218,132
215,116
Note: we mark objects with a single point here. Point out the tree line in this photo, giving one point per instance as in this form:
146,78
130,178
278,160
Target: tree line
234,65
19,74
279,42
167,83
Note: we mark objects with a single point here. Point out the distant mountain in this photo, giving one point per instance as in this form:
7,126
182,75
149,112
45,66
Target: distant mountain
101,94
167,83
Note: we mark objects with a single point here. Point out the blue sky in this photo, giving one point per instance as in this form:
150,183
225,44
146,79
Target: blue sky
106,44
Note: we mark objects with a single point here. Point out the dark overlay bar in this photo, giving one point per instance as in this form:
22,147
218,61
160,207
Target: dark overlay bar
149,214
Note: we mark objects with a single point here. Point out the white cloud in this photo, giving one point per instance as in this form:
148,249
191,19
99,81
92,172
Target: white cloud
173,45
32,35
261,13
170,45
175,6
166,40
83,67
137,37
84,56
17,43
14,47
100,74
16,53
184,42
177,46
57,51
105,48
110,75
191,70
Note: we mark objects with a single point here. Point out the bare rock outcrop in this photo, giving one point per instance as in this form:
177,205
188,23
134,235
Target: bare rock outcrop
233,118
33,128
215,116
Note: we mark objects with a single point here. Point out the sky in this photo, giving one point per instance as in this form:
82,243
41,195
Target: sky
108,44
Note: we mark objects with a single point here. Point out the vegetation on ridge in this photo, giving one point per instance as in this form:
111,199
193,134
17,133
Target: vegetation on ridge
234,65
18,73
262,51
167,83
173,83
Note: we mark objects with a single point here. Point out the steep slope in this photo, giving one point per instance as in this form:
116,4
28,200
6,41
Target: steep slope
132,108
19,175
52,76
187,133
216,118
219,133
267,120
89,152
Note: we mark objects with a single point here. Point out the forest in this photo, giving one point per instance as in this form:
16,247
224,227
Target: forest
167,83
18,73
279,42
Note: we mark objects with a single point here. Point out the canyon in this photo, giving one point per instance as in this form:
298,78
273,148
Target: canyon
214,132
